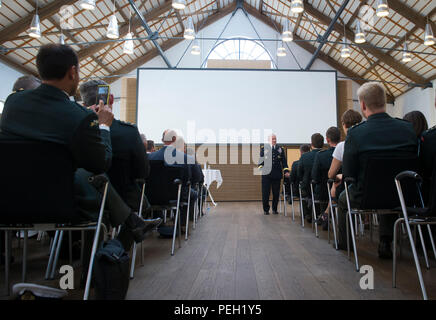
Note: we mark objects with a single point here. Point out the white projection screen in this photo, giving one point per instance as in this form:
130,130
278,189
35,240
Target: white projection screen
214,105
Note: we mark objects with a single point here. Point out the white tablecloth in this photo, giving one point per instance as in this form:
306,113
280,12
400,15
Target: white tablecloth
211,175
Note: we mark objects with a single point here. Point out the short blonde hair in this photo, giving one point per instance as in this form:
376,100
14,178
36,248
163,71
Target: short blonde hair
373,94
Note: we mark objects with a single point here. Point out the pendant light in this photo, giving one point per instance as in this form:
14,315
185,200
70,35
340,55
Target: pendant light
407,56
359,37
112,29
189,33
345,51
0,4
62,39
297,6
281,50
179,4
35,26
287,35
428,35
128,47
382,8
195,49
87,4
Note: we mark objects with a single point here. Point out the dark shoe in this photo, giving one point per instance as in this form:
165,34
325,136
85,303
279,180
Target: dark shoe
266,213
139,227
275,212
384,250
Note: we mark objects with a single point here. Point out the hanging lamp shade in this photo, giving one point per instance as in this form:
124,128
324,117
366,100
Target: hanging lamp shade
128,46
35,27
345,51
62,39
287,35
195,49
112,29
407,56
382,8
189,33
179,4
359,37
87,4
428,35
281,50
297,6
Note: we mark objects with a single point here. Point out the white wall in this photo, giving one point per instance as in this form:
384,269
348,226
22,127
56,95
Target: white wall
417,99
239,26
7,79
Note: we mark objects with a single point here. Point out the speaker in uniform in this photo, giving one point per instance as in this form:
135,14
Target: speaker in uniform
272,164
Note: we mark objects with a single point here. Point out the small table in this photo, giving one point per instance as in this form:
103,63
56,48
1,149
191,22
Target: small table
211,175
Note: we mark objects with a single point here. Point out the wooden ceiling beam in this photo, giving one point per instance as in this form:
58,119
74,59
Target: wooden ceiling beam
124,29
384,57
410,14
24,23
170,43
310,48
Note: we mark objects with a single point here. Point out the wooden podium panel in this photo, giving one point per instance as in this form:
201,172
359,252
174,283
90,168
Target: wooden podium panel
239,181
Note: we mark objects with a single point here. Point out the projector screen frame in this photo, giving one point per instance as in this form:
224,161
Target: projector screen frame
241,69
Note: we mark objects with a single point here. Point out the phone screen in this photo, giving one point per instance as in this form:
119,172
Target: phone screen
103,94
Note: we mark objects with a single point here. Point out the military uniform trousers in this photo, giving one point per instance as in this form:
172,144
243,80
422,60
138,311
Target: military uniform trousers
267,184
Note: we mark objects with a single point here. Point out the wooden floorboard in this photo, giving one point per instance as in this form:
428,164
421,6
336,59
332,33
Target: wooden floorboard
236,252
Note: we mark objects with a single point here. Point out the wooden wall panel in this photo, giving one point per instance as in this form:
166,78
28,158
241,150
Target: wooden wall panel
239,64
345,100
128,100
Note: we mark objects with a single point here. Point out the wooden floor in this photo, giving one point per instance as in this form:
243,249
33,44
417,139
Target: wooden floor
236,252
239,253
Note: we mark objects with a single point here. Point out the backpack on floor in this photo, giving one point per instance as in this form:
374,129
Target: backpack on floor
111,271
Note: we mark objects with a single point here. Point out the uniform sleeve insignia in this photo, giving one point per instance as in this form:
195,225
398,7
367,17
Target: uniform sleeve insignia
94,123
280,150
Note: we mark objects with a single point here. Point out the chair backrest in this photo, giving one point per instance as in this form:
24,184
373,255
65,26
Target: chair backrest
160,183
36,183
379,190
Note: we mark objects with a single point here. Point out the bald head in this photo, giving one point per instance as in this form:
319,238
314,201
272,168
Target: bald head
272,139
169,137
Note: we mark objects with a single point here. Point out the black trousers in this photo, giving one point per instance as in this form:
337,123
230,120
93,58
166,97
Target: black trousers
267,185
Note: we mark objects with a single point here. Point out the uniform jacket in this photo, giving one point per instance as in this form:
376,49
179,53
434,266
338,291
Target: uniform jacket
380,135
427,158
129,162
320,169
304,173
273,162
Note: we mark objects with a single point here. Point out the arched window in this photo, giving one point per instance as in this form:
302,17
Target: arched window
239,49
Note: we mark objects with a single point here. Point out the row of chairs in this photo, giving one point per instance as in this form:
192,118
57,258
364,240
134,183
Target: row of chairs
45,202
382,194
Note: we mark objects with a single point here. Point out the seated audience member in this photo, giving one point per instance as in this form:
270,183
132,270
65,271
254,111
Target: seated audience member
47,114
321,166
379,135
150,146
427,158
170,155
28,82
419,123
304,148
304,171
129,159
349,119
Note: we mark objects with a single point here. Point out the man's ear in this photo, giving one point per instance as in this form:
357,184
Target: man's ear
72,73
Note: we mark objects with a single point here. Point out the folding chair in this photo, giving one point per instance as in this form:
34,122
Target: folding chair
141,204
164,192
301,205
333,214
46,185
379,177
424,216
